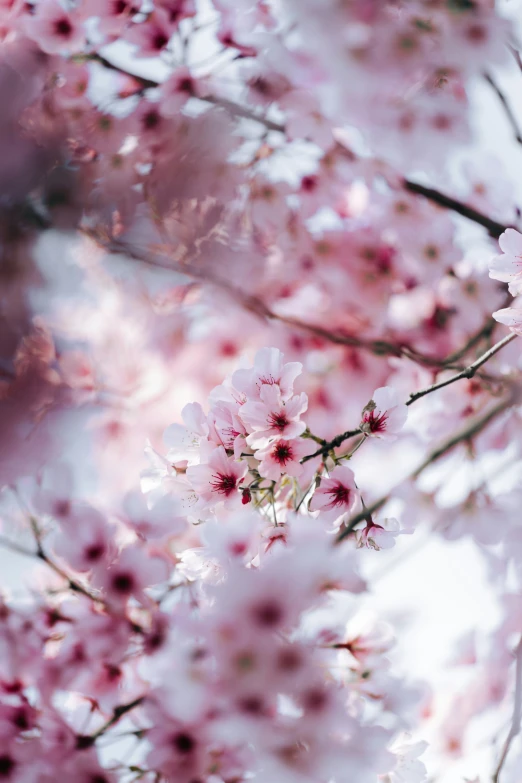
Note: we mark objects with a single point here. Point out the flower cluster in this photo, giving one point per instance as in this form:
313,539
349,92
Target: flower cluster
253,447
224,646
185,182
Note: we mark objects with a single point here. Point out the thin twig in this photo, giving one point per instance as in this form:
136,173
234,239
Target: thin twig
73,585
505,104
493,227
469,372
517,713
86,741
333,444
476,426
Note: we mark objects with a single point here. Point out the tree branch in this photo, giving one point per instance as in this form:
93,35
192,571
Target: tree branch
505,104
85,741
517,713
493,228
466,434
333,444
258,308
76,587
468,372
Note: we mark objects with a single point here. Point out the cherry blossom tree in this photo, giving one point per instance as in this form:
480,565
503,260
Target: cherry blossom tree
260,289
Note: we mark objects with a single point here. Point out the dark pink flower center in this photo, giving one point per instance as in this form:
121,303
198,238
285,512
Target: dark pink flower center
376,420
278,421
223,483
268,379
151,119
122,582
309,183
186,85
229,434
268,613
94,552
340,495
282,452
253,705
119,7
159,40
289,660
315,699
63,27
183,742
7,764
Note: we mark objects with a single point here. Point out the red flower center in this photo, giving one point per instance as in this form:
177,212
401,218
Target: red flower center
223,484
376,420
278,421
63,27
340,495
159,40
282,452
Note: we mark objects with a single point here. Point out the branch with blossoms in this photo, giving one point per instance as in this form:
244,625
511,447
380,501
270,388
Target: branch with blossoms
493,227
253,304
366,425
465,436
270,156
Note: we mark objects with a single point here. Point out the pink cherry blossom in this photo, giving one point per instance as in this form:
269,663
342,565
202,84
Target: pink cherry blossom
86,540
151,37
269,369
378,536
55,29
508,266
176,91
283,456
271,417
510,316
223,224
129,575
336,495
218,479
184,442
384,415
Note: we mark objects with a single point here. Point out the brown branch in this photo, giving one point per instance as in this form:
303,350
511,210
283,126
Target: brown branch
493,228
85,741
468,372
333,444
505,105
99,58
257,307
42,555
517,713
516,55
464,435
